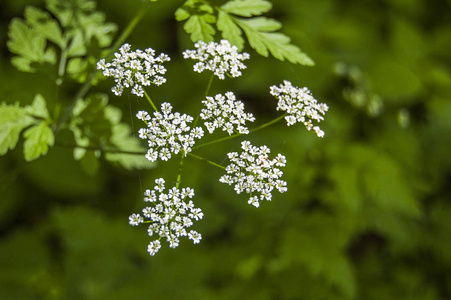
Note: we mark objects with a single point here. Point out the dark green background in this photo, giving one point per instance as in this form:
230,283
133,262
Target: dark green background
367,214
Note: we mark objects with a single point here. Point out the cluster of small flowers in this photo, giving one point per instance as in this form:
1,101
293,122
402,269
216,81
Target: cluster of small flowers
227,114
221,58
253,172
168,133
169,215
300,106
134,69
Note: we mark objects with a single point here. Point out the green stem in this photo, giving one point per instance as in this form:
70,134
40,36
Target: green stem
150,101
94,148
62,67
206,94
239,134
119,41
88,84
206,160
59,82
179,176
269,123
209,85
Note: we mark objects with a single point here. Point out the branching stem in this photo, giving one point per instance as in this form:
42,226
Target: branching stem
150,101
239,134
206,160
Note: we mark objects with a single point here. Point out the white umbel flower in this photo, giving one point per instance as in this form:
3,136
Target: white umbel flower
300,106
168,133
225,112
252,172
134,70
220,58
169,215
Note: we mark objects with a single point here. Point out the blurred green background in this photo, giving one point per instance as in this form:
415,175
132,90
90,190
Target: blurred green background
367,214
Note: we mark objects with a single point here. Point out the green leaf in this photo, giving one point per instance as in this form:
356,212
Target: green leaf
90,162
262,39
199,28
38,138
39,108
80,140
247,8
29,44
181,14
199,16
25,41
44,23
262,24
124,141
68,12
230,31
89,124
96,124
13,119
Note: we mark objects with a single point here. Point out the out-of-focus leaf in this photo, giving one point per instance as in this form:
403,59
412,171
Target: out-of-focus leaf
38,108
84,233
394,81
24,273
43,22
91,27
181,14
90,161
315,244
29,44
124,141
38,138
98,125
13,119
68,11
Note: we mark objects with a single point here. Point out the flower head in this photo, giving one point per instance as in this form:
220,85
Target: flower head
226,113
134,69
253,172
168,216
168,133
221,58
299,105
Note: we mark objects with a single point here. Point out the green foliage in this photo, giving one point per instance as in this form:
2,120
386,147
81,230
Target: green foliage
260,31
97,127
198,24
13,119
38,137
30,45
78,30
367,211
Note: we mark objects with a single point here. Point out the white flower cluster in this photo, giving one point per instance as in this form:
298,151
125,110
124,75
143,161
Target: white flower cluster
169,215
253,172
300,106
221,58
226,113
168,133
134,69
